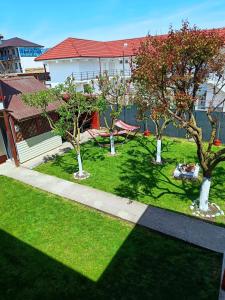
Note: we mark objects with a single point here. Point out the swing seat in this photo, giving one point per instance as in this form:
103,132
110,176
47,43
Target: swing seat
125,126
126,130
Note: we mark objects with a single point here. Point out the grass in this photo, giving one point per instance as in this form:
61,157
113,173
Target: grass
51,248
132,174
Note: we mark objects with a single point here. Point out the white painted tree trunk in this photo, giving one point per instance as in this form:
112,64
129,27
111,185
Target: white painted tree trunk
204,194
158,152
80,164
112,145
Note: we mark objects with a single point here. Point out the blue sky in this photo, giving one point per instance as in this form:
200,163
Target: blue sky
49,22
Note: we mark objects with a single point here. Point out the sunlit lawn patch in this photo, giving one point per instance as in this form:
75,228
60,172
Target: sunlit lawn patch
51,248
132,174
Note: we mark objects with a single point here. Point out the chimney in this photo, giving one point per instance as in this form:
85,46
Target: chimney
1,38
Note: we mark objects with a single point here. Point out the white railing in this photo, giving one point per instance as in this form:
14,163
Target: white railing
89,75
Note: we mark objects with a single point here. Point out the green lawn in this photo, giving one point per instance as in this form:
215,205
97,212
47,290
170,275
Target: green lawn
51,248
132,174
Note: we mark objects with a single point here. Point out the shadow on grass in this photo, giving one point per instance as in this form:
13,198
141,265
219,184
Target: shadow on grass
68,163
147,266
150,145
141,177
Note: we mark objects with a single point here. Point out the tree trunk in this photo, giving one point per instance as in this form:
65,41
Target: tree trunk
80,164
112,145
204,194
158,152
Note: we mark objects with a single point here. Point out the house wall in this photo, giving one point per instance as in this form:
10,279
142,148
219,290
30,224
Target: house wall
61,69
218,98
10,59
35,146
32,127
205,102
83,67
29,63
34,137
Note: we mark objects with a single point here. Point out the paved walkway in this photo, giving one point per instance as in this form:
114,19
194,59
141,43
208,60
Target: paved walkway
179,226
176,225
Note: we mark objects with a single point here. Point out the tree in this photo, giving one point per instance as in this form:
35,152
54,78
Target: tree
114,94
149,107
74,111
174,69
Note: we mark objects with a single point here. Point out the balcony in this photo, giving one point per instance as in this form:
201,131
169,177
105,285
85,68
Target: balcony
9,57
90,75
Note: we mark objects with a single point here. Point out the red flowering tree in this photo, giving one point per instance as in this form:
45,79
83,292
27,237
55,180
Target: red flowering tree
174,69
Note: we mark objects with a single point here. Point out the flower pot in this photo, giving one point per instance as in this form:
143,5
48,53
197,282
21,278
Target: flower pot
217,142
147,132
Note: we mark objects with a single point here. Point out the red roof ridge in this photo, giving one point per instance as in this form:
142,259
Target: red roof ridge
71,43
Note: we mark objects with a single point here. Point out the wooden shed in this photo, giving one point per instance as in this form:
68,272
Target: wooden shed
24,133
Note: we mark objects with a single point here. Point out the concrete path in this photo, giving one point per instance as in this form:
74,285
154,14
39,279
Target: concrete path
176,225
191,230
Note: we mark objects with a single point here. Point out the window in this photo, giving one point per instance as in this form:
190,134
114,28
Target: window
202,100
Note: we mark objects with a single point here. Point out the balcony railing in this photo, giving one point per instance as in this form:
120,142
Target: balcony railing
89,75
8,57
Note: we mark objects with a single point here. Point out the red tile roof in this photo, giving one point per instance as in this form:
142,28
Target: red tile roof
12,89
74,48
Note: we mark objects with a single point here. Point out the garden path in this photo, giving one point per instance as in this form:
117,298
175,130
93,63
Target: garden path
179,226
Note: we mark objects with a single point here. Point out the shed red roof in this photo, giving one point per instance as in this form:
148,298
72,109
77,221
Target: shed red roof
74,48
13,88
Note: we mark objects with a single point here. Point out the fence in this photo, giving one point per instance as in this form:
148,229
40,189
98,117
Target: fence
129,115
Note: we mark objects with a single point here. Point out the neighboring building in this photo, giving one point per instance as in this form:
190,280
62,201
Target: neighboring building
206,96
24,134
86,59
17,56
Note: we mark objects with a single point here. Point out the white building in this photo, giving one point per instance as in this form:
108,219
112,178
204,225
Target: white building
86,59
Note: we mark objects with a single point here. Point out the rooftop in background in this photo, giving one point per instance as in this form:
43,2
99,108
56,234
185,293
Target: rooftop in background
75,48
17,42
